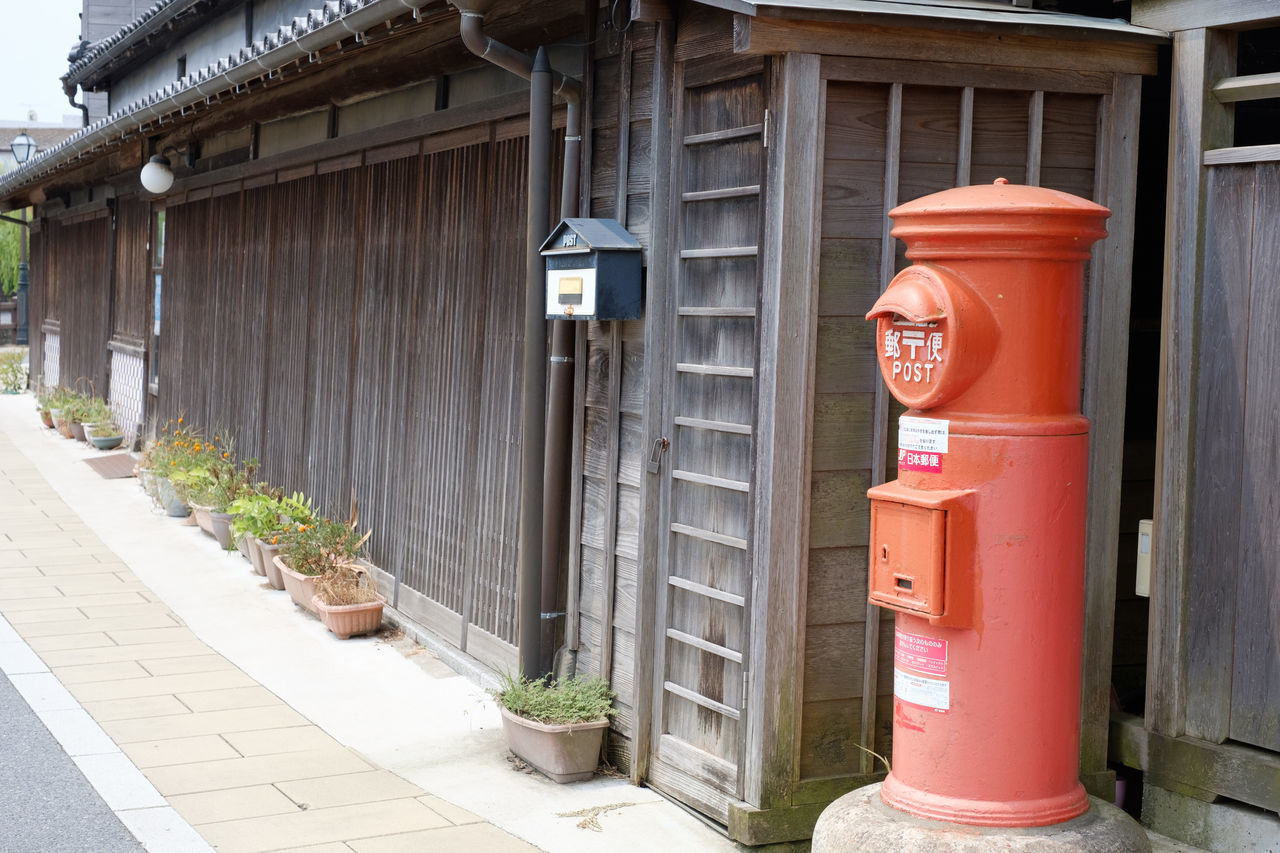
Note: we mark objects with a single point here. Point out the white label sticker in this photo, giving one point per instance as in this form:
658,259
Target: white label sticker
928,435
926,692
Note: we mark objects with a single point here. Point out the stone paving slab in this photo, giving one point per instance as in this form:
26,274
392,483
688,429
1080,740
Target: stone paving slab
395,704
172,734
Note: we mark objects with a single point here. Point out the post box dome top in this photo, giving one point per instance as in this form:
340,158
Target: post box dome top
999,219
1002,196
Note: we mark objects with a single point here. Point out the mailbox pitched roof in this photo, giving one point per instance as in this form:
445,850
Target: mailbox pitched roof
599,234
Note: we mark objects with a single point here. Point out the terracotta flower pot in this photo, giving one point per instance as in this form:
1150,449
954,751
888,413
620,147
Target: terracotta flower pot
565,753
253,553
220,529
203,518
266,555
46,418
348,620
64,427
301,588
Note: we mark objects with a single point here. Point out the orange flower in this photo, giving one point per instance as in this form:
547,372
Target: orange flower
173,464
179,420
225,454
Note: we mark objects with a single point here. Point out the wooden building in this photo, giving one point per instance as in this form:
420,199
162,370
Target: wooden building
336,276
1208,738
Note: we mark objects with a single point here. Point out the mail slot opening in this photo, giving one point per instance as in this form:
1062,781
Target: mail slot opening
904,583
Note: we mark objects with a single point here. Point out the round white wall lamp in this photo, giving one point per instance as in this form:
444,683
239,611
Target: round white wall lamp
157,175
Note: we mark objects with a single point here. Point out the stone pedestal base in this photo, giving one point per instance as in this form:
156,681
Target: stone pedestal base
860,822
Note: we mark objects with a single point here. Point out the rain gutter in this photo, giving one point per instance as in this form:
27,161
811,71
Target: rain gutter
547,386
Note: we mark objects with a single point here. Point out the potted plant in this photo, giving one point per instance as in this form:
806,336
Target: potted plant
44,399
175,451
91,410
228,482
291,511
347,601
311,550
58,398
255,514
104,435
556,727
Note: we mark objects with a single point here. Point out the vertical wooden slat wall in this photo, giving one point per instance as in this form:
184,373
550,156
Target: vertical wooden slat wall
359,332
132,275
81,251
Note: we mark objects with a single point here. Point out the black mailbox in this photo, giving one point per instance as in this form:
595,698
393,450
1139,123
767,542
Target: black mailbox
593,271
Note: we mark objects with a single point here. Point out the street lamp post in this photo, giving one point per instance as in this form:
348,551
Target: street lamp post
23,146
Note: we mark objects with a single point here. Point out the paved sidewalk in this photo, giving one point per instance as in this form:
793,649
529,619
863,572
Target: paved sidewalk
208,710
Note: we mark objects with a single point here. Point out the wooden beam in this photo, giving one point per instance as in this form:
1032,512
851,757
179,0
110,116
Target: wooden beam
1197,122
765,36
1252,87
1197,768
1178,15
788,332
650,580
1243,154
1103,402
880,425
650,11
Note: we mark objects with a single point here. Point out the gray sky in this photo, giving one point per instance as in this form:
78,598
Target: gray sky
37,35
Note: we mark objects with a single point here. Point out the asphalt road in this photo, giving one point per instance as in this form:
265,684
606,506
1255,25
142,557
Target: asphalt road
46,804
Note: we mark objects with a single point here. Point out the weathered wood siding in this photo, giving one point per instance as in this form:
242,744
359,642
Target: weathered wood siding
1233,609
359,331
885,144
78,257
612,380
704,570
132,283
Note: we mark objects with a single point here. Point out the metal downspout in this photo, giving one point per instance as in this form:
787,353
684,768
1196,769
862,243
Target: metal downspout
547,409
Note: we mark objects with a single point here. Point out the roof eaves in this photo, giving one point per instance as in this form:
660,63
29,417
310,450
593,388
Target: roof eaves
335,21
974,12
99,55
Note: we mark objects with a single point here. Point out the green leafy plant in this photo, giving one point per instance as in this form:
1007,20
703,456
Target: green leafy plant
322,546
296,509
256,512
571,700
13,376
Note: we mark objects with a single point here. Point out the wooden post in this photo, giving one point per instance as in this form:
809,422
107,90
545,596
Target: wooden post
1106,347
1197,122
789,293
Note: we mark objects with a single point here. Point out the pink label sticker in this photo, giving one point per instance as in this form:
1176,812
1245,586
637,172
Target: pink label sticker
922,654
915,460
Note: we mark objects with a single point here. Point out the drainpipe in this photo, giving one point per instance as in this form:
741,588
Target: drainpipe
70,92
547,409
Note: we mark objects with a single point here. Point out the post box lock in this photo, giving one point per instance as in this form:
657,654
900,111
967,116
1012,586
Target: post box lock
934,336
916,551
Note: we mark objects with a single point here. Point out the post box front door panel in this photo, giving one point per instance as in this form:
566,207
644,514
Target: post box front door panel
908,556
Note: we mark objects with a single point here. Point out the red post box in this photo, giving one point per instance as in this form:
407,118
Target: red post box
979,543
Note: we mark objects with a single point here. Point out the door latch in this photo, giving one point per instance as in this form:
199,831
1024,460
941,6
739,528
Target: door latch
660,446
